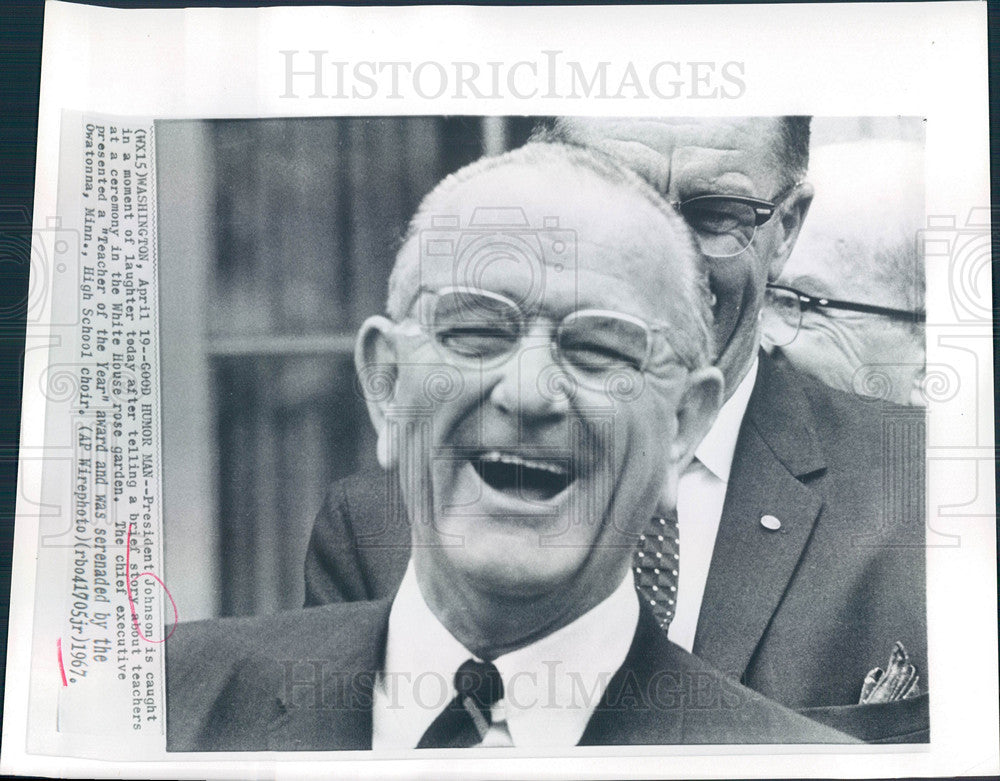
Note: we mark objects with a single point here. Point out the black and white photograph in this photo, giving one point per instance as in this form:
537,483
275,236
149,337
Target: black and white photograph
538,432
543,392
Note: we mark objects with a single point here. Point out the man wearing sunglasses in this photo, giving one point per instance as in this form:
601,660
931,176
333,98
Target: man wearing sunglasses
535,409
801,521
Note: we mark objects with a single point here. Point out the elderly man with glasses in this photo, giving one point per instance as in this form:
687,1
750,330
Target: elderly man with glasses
848,306
541,379
801,517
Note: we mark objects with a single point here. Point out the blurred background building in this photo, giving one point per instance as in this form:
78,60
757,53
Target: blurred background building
276,238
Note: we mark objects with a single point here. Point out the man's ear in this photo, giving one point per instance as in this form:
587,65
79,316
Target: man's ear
792,213
696,411
917,397
377,368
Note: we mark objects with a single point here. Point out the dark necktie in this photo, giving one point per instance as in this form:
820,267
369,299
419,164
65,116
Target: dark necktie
467,718
655,562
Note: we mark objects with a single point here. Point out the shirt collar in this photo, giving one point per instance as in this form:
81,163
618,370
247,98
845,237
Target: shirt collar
551,687
421,658
554,684
717,449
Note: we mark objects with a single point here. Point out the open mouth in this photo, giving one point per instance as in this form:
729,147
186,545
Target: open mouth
531,479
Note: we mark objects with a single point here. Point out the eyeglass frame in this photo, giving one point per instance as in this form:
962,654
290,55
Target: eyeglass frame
650,327
817,303
763,210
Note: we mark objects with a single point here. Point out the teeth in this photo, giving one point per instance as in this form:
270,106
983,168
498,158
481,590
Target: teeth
509,458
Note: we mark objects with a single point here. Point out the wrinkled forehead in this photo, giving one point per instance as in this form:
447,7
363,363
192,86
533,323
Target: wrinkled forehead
518,225
695,151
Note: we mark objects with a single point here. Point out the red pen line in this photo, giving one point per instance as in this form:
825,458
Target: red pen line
172,604
62,671
131,598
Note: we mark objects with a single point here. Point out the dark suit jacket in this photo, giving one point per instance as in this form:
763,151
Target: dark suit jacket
800,614
303,680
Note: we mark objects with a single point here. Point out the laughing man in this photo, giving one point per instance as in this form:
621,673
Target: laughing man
544,361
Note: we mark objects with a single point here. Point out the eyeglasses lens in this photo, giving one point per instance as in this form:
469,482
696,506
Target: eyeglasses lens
782,316
723,228
597,344
476,326
482,328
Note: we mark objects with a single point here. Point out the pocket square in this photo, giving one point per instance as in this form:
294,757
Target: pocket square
899,680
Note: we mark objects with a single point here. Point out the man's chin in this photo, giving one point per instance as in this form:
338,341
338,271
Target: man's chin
737,331
517,570
735,360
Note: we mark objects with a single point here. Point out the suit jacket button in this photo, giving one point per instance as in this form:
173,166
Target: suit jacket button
770,522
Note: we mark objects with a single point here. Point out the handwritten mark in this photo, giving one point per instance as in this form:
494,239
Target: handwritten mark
131,597
62,670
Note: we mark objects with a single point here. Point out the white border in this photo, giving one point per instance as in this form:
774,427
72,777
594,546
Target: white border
926,59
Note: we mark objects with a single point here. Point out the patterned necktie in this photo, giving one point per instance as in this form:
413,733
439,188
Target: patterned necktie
467,718
655,563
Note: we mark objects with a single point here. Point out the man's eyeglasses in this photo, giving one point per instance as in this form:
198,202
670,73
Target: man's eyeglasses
724,225
783,308
482,328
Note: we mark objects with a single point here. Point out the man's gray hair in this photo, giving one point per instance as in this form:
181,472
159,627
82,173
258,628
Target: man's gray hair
692,318
793,148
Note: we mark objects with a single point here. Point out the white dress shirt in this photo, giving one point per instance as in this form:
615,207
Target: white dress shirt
551,687
701,492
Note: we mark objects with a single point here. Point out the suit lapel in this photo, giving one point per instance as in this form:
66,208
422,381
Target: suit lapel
337,715
751,564
642,702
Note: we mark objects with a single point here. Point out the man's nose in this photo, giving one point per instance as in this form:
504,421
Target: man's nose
532,384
